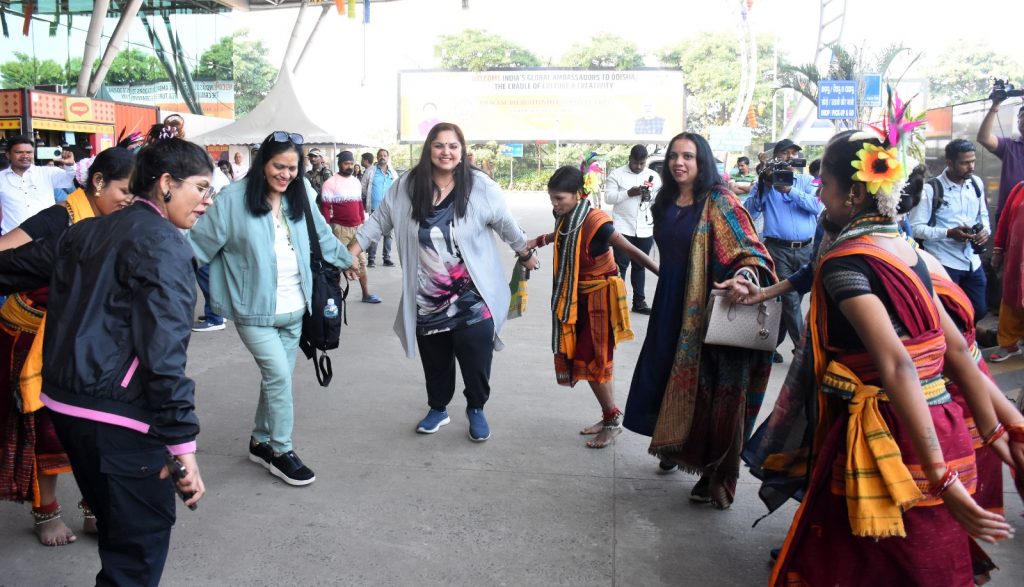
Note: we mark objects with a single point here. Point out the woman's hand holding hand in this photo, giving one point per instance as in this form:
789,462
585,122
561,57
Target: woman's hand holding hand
741,290
979,523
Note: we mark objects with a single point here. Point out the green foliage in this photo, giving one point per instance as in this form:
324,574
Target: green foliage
478,50
24,71
711,69
253,74
216,63
604,51
963,72
134,66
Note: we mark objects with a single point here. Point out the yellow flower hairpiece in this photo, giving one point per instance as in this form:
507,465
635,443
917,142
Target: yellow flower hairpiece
878,167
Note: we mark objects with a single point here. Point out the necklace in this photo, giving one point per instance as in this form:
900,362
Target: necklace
441,192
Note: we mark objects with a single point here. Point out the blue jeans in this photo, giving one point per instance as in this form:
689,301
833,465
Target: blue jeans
274,348
203,278
973,283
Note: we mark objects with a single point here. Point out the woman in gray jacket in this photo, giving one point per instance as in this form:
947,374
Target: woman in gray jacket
455,293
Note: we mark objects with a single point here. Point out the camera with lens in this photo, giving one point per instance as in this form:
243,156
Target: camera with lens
975,230
1002,90
779,172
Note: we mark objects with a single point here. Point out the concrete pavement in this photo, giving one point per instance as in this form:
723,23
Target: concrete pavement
532,506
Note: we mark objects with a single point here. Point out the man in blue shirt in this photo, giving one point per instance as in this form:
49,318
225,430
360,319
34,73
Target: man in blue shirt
790,218
377,180
952,226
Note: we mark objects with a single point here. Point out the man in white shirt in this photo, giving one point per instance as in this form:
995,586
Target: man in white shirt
25,188
631,190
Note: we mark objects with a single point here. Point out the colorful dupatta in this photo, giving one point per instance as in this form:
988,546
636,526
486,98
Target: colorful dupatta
714,393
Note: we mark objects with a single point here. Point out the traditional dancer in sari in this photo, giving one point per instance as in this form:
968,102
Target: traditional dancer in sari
31,455
697,402
891,454
588,299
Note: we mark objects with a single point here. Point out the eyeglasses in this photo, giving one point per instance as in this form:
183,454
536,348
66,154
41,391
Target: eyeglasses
281,136
207,191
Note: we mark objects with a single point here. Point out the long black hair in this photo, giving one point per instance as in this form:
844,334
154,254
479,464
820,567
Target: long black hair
422,177
256,186
707,176
176,157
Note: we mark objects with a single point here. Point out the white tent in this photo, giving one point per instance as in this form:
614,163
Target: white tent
283,109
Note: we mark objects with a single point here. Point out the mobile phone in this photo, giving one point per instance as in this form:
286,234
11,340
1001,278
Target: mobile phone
178,472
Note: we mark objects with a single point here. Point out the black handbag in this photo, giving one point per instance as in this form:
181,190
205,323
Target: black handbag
320,332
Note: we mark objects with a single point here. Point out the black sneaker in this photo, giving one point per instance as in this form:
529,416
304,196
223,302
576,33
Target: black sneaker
371,264
260,452
388,263
289,468
642,308
777,358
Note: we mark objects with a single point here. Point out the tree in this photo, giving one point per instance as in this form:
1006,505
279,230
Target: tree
478,50
253,74
134,66
216,62
25,72
963,72
604,51
847,64
711,70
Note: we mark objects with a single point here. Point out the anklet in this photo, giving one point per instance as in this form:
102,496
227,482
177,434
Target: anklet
86,510
46,514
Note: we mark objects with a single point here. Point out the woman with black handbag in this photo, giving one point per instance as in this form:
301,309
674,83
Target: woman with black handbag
265,216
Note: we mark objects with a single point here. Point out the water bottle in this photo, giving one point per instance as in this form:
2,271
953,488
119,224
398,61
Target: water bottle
330,310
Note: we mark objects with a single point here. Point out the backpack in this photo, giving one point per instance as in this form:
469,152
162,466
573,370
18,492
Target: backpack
938,194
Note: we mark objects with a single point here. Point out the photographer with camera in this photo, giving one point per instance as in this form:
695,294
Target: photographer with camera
1010,151
631,189
952,222
790,207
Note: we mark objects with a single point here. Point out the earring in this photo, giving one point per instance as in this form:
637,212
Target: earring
848,202
99,188
167,196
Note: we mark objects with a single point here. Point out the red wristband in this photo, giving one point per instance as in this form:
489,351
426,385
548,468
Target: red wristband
995,435
939,488
1016,433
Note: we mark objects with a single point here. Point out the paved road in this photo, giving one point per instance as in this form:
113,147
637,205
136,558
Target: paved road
532,506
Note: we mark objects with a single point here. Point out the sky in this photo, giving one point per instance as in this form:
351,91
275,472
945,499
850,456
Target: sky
401,34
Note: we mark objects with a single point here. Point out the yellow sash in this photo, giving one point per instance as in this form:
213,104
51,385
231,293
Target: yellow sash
31,380
879,486
618,311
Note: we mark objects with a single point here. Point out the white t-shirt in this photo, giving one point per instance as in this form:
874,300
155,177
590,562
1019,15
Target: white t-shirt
22,196
289,286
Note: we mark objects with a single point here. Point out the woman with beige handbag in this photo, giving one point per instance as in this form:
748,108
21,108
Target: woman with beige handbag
696,401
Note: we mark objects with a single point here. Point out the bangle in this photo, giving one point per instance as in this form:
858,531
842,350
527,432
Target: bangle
1016,432
995,435
940,487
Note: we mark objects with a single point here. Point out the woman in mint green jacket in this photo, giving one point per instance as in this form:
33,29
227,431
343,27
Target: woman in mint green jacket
256,242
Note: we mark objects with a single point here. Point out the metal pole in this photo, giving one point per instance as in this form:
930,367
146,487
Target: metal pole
295,35
114,45
92,44
511,161
309,39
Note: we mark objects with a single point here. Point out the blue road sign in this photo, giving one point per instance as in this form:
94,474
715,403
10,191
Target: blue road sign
837,99
512,150
872,89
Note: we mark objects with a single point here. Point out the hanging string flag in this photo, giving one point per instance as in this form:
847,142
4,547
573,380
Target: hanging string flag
340,5
352,9
366,11
28,18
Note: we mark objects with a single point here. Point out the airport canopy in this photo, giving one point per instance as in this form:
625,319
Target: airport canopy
282,109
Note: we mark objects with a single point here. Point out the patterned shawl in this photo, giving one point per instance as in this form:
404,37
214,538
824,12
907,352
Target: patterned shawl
713,390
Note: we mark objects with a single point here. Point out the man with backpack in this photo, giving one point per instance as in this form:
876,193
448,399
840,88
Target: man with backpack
951,222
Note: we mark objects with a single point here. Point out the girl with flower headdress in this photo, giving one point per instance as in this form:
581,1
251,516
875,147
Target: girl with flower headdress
891,455
588,299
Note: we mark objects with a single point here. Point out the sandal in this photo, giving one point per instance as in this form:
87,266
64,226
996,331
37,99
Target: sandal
1003,353
371,299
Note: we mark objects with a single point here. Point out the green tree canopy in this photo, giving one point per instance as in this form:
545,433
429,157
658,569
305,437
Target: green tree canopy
711,71
253,74
478,50
134,66
216,62
604,51
24,72
963,72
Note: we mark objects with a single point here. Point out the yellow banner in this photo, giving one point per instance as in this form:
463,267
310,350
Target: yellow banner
10,124
88,127
643,106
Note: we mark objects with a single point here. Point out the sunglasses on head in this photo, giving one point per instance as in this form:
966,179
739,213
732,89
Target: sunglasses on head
281,136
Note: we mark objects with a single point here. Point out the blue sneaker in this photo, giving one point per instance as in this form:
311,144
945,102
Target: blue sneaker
479,431
434,420
207,326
